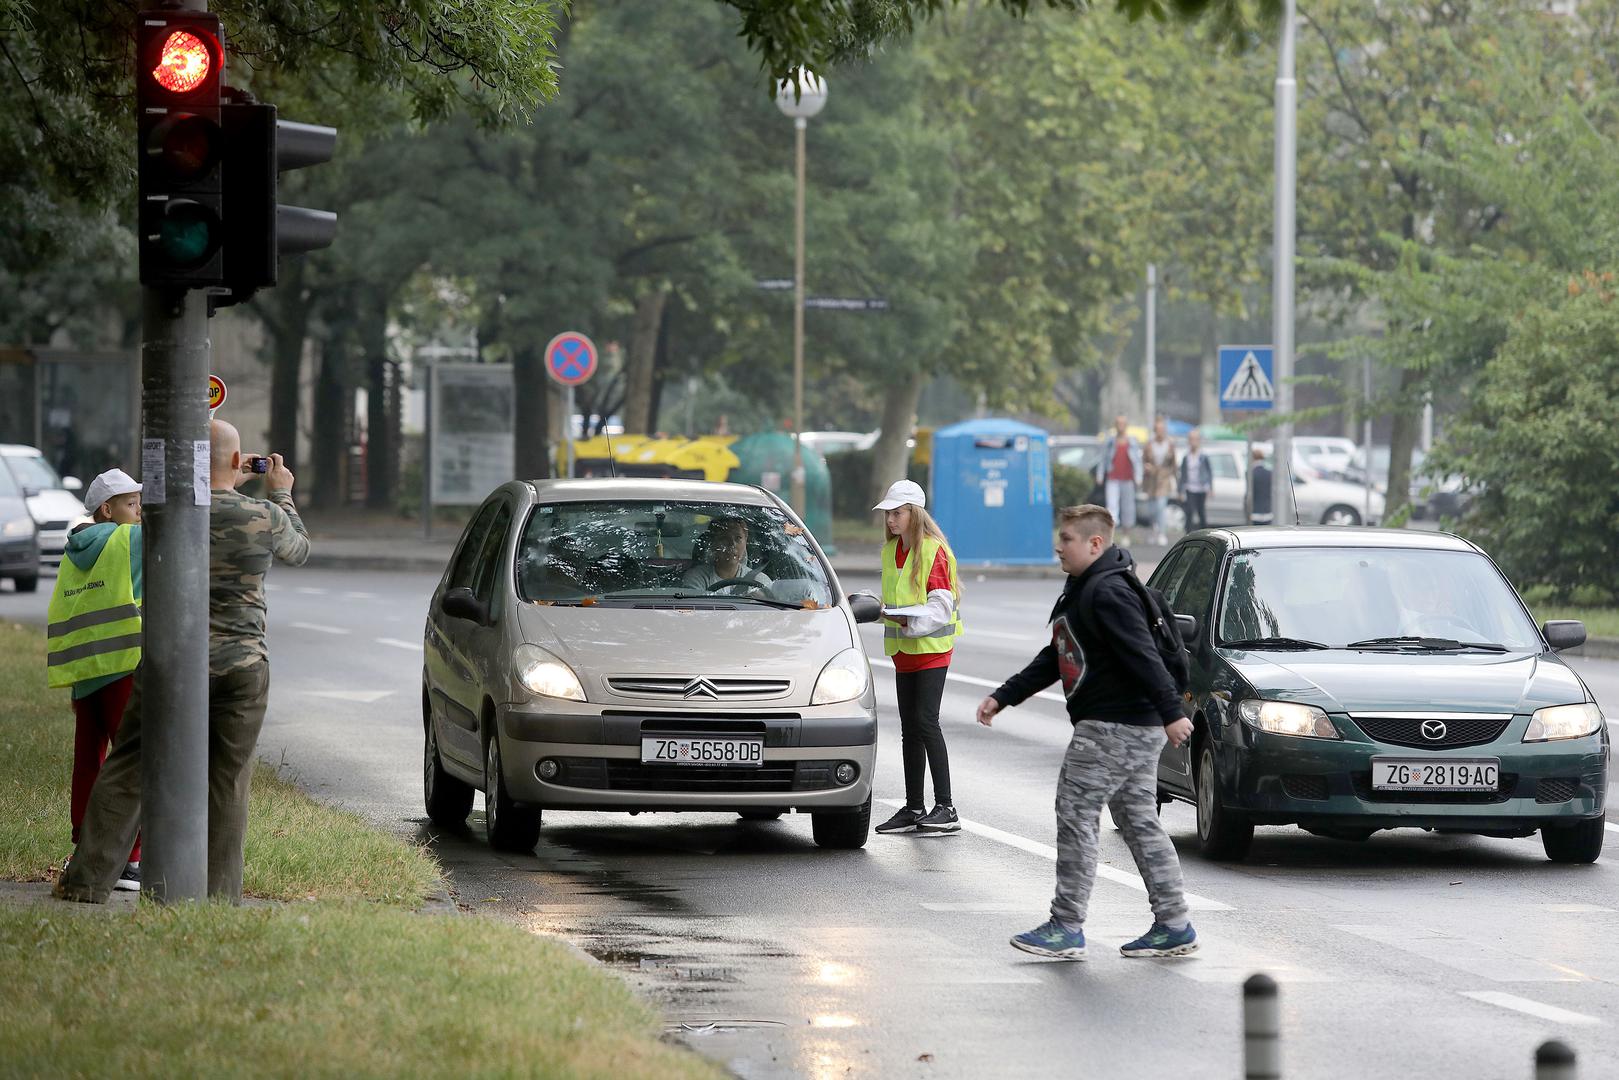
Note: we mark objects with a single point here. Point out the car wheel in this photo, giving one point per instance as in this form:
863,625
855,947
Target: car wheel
758,815
449,800
511,827
842,830
1221,833
1580,843
26,582
1339,514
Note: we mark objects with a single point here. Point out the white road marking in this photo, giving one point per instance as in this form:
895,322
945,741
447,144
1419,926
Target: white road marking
1034,639
318,628
413,646
1474,957
973,680
1611,825
359,596
364,697
309,591
1046,851
1533,1008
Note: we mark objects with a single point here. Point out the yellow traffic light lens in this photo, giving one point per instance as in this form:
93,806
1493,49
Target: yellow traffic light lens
183,62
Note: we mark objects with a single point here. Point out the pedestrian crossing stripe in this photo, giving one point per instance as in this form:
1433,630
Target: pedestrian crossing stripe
1250,383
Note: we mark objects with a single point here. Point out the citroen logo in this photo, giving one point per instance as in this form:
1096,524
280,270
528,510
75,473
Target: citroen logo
1431,729
700,688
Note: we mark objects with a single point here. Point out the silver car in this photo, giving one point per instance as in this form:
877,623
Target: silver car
645,645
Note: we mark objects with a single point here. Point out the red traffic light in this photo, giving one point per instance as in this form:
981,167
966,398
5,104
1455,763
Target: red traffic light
183,62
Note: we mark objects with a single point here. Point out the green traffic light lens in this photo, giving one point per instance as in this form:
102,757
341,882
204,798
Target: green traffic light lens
189,233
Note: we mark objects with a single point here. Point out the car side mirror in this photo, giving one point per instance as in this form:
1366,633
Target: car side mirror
72,483
1188,629
1563,634
29,492
866,607
459,603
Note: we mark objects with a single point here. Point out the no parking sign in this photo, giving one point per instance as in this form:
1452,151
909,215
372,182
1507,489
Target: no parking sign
570,358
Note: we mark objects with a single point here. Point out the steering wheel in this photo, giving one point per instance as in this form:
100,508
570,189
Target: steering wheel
724,582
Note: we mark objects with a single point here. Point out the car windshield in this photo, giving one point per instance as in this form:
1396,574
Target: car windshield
33,472
644,550
1341,595
8,486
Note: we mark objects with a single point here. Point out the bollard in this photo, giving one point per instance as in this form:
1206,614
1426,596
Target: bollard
1261,1029
1554,1061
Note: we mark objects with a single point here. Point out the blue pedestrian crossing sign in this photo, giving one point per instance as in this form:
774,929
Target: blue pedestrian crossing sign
1247,377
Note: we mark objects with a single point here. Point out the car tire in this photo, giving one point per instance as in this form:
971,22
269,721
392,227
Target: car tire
511,827
1222,833
844,830
1339,514
758,815
26,582
448,799
1579,843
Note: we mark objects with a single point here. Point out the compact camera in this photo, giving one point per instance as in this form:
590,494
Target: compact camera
257,464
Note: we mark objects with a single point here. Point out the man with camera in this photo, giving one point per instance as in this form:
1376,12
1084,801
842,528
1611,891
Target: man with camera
244,536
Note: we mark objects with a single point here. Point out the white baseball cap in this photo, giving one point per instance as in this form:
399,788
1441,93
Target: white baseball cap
902,493
108,484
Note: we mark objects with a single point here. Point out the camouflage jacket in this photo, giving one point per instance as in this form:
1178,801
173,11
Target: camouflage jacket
244,535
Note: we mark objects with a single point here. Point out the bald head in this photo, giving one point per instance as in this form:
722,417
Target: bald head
225,465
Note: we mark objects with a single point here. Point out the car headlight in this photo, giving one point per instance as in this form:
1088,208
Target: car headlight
1287,718
17,527
545,675
844,678
1564,722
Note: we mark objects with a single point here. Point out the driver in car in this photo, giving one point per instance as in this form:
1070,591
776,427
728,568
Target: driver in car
726,544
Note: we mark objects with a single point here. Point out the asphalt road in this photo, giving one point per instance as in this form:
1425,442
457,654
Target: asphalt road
1408,955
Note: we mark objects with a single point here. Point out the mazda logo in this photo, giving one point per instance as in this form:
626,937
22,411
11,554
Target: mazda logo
1434,729
700,688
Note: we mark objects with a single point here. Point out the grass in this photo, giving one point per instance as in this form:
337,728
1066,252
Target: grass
344,980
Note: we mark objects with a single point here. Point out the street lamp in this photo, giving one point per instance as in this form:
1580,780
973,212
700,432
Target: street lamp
800,97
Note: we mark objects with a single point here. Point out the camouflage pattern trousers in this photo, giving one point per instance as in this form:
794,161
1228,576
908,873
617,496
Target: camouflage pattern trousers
1114,765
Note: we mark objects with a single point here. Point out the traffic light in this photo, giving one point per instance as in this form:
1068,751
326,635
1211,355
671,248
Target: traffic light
180,68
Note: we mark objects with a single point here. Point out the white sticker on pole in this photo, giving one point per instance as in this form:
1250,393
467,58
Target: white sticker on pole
153,462
202,453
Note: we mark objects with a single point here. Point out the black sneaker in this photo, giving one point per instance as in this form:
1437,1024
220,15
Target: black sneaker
940,819
903,821
130,879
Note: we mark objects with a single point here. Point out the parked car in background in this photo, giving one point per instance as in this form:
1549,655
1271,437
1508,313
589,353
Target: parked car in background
1431,496
1321,500
836,442
52,500
19,536
1330,454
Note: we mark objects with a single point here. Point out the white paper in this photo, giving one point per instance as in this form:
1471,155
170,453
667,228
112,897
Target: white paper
202,453
913,611
153,460
995,495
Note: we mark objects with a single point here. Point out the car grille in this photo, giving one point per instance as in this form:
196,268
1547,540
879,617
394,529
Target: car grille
1560,789
699,687
1407,731
1505,785
1305,787
620,774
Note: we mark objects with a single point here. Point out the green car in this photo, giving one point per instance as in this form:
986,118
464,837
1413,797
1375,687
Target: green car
1351,680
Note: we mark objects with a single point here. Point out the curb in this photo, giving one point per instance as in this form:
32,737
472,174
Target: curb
404,564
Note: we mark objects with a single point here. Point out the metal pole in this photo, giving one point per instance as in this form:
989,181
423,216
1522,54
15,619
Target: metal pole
427,451
175,452
567,429
797,488
1282,271
1555,1061
1261,1029
1152,344
1366,430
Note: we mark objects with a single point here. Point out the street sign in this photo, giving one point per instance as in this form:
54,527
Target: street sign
1247,377
570,358
775,284
216,393
847,303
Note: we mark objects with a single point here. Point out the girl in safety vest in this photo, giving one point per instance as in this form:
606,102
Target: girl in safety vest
921,621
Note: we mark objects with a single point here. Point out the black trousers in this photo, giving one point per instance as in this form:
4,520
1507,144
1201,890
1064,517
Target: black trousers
921,738
1197,513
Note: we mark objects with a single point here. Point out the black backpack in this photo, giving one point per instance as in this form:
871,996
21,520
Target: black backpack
1166,633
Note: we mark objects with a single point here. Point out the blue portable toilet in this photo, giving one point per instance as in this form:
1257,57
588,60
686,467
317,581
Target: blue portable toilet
991,491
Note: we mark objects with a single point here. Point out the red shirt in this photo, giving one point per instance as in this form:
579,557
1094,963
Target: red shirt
938,578
1121,469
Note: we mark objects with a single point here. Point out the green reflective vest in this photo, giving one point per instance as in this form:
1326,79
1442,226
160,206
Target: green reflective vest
902,589
95,620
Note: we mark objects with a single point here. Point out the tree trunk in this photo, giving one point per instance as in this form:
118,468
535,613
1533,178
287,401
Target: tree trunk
532,439
660,364
640,362
1402,440
329,443
381,456
890,456
288,328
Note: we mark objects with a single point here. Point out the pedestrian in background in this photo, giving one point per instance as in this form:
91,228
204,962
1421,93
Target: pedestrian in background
1121,466
1196,481
919,573
1124,704
95,636
1259,487
244,536
1160,469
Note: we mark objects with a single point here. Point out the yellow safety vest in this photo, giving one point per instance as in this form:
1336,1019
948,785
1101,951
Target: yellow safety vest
902,589
95,620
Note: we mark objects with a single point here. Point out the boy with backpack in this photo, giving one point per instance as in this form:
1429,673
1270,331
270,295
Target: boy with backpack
1124,671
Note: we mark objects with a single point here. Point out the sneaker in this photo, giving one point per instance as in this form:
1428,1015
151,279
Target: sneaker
1050,939
130,879
903,821
941,819
1162,941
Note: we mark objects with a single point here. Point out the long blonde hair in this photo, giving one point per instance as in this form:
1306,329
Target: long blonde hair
923,525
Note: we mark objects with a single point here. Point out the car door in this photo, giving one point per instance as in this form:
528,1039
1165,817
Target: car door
1226,501
447,676
483,645
1191,593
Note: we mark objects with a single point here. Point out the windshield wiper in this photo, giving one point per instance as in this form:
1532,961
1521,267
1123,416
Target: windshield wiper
1299,644
718,598
1427,644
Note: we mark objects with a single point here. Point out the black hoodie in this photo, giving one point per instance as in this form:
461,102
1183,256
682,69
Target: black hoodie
1118,676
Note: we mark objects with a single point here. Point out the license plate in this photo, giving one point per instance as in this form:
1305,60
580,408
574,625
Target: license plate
1452,774
702,751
